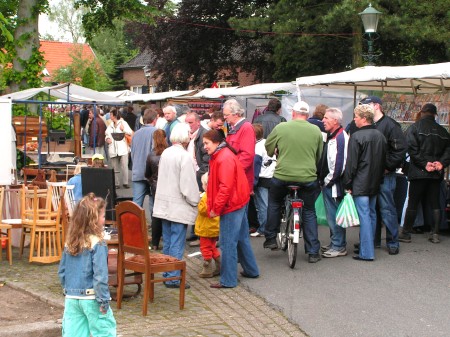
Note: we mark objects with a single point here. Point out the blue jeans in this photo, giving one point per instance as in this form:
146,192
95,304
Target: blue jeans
338,234
235,246
174,238
141,188
365,206
309,192
261,201
388,212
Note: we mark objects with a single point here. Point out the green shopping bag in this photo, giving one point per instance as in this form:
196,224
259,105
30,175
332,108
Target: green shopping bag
346,215
321,212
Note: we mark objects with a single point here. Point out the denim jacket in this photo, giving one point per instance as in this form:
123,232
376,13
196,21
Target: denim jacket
86,274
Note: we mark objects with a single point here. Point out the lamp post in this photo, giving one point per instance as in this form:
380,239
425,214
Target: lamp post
370,17
148,73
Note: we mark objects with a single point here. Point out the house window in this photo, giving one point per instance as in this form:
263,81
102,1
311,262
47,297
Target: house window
136,89
224,84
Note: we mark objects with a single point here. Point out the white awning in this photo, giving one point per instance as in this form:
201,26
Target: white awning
416,79
159,96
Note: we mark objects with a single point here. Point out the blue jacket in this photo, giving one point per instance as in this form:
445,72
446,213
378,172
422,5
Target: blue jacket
86,274
141,146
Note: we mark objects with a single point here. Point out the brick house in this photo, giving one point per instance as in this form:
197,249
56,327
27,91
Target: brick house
135,71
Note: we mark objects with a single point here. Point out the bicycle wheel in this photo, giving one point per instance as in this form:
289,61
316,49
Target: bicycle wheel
283,234
292,246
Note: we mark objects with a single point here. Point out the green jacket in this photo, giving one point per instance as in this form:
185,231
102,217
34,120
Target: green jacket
299,147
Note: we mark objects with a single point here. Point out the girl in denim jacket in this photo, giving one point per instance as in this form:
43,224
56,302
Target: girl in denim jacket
83,272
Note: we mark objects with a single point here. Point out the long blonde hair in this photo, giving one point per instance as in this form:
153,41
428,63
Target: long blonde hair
85,222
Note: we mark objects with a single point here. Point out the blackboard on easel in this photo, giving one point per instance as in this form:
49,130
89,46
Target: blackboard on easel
101,182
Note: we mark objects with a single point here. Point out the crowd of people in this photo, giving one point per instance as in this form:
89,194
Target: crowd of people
202,172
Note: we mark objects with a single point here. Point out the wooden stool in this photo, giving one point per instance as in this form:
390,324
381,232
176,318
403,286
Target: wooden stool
5,234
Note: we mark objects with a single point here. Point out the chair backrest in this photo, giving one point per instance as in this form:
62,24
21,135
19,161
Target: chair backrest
58,190
132,229
70,199
36,204
2,195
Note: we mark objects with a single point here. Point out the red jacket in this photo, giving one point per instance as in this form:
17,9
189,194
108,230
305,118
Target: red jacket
227,188
242,139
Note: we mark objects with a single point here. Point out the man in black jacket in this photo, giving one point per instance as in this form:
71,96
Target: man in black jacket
429,151
363,175
395,154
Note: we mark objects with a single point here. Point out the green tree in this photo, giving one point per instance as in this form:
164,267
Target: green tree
88,79
69,19
23,51
195,45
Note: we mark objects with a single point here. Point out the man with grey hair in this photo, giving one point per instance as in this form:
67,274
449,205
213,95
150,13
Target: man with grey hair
170,114
241,137
330,172
363,175
299,146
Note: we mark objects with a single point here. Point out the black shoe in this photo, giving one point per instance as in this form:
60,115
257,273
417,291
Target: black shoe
356,251
244,274
356,257
126,186
192,238
270,243
377,244
356,245
404,237
177,285
313,258
393,250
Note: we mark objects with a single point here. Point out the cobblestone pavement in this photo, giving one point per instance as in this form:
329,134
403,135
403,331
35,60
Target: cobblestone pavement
208,312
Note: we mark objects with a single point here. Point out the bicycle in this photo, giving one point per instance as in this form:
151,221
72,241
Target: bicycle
290,227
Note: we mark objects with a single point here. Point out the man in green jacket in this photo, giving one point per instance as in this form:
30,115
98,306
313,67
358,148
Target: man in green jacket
298,145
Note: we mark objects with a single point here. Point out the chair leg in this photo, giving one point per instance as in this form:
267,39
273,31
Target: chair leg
32,245
147,285
152,288
9,252
182,287
120,282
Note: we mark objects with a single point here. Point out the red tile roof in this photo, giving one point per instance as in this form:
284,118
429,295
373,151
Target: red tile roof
58,54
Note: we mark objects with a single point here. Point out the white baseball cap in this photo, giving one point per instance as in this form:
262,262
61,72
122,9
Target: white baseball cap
301,107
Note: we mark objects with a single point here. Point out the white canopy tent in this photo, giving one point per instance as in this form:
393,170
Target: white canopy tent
121,93
214,93
427,78
68,92
159,96
264,89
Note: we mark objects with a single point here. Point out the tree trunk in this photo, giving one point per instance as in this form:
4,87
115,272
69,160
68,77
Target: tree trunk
27,25
357,45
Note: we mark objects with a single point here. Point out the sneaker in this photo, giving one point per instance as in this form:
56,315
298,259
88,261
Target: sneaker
256,235
195,243
393,250
404,237
334,253
313,258
270,243
177,285
325,248
434,238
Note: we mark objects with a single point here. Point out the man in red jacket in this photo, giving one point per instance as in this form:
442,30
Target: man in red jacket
241,137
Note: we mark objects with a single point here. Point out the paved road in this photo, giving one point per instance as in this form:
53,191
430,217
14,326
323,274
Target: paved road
403,295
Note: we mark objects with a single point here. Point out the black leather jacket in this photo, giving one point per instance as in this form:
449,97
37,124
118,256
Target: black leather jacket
365,161
427,142
396,142
201,155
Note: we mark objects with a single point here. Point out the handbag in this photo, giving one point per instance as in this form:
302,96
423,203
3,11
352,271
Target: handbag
347,215
128,138
321,212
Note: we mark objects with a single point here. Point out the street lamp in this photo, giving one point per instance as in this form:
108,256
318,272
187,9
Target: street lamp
370,17
148,73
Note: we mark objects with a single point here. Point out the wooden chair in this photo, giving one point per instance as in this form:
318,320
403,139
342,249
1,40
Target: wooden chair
58,208
133,241
5,231
40,223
